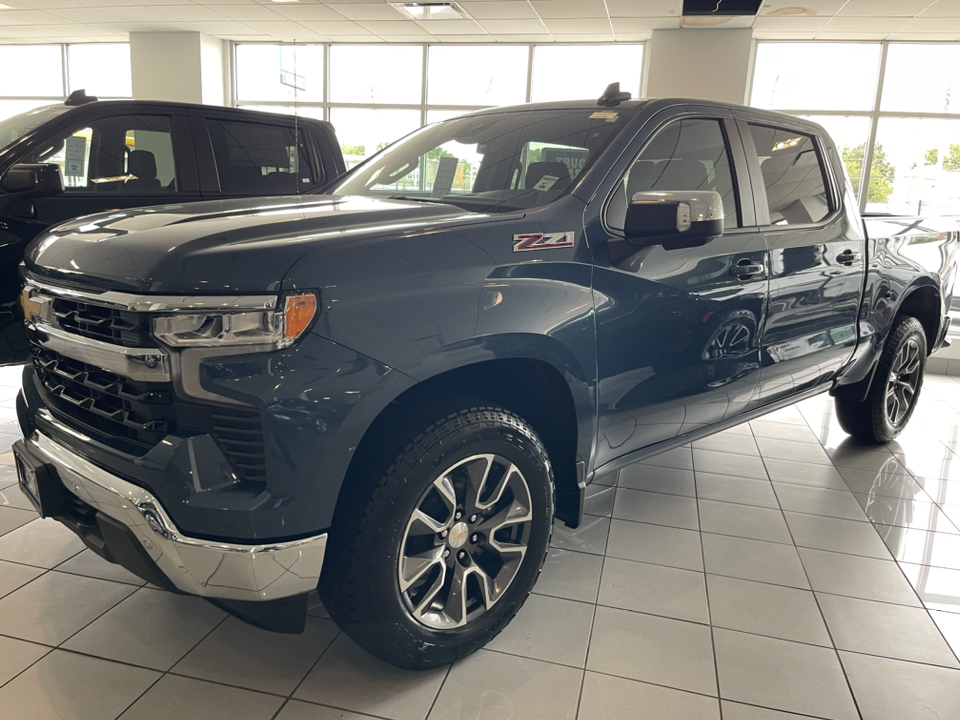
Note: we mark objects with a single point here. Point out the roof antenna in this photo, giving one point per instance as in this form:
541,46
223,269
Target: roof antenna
612,96
79,97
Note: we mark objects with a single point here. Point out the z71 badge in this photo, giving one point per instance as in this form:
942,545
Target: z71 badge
542,241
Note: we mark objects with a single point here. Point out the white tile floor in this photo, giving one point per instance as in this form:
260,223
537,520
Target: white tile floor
775,571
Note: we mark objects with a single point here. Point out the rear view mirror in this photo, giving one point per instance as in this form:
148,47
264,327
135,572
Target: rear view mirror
681,218
35,180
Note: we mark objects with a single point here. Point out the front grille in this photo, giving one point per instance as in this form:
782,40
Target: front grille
105,403
118,327
133,414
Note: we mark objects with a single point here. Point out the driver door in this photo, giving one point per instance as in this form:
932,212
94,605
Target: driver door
677,329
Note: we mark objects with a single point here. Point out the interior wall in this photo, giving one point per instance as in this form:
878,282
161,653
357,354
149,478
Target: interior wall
178,67
213,55
709,64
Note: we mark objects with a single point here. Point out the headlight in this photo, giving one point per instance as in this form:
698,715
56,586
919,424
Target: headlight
274,328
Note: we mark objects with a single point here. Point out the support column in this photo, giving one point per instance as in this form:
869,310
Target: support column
708,64
178,67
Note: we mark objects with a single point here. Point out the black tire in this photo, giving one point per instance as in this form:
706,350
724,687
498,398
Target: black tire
879,418
375,527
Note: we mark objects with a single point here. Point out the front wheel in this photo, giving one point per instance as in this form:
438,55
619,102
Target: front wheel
893,394
429,559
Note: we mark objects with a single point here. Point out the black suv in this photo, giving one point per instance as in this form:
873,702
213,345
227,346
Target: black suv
123,154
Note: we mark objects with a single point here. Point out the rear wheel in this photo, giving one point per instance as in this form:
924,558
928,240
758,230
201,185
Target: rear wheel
432,556
895,389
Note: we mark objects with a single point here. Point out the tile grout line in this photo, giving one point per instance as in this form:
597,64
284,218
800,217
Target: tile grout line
596,604
307,673
706,587
823,617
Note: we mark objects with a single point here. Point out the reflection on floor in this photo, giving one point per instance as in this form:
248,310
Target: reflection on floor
776,568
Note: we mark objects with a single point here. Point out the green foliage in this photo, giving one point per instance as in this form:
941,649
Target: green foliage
932,157
438,153
951,160
354,149
881,174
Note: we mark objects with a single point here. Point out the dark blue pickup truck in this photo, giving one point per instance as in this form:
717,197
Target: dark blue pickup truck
392,390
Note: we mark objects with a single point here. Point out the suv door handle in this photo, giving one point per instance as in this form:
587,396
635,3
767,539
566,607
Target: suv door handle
848,257
745,269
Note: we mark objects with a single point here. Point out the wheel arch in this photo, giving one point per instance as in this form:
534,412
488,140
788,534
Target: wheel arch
518,384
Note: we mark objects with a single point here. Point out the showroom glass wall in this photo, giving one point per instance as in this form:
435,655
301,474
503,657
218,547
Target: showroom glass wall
38,75
374,94
892,108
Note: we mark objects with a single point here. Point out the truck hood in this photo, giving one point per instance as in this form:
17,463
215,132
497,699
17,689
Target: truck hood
226,246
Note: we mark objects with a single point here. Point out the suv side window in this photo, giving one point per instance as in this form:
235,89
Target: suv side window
260,159
125,154
793,175
689,154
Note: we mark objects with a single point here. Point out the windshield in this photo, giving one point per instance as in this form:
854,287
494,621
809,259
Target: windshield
490,162
14,128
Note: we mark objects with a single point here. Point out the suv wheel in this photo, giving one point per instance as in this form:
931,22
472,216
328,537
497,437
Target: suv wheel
895,388
429,559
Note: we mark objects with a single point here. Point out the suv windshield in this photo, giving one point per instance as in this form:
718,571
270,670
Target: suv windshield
14,128
490,162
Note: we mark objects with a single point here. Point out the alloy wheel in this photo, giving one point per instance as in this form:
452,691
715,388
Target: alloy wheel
465,541
902,382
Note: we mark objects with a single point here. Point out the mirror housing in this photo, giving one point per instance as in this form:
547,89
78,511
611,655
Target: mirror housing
33,179
679,218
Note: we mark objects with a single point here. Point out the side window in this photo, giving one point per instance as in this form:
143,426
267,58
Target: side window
260,159
127,154
689,154
793,175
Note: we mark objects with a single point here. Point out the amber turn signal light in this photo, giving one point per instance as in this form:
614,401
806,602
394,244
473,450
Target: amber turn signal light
299,311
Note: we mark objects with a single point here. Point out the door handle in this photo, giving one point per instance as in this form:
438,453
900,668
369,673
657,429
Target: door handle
848,257
745,269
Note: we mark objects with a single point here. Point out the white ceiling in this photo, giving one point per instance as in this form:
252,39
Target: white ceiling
505,21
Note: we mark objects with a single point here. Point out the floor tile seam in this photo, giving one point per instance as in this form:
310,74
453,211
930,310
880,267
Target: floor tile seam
955,668
49,648
593,620
19,510
163,671
80,630
288,700
654,684
8,594
41,567
94,577
823,617
788,713
315,662
706,593
443,682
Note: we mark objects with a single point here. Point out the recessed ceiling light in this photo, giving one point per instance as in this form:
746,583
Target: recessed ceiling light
432,11
5,7
285,1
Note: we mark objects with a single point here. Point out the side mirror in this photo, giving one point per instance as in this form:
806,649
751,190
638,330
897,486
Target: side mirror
681,218
34,179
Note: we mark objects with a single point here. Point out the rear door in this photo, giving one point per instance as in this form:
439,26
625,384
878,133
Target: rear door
816,264
677,329
247,156
119,157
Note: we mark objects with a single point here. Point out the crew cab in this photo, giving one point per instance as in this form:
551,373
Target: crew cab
391,391
124,154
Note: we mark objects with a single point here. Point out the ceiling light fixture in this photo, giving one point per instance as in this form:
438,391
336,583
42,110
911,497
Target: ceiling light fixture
431,10
284,1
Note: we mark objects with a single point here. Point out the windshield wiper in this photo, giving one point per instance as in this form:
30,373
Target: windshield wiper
416,198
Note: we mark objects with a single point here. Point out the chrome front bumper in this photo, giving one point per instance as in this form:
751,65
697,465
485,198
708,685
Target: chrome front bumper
200,567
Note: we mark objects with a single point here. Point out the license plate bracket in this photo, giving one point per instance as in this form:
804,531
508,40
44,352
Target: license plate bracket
39,482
